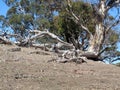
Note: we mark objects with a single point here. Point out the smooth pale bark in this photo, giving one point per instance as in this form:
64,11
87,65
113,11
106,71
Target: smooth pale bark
96,41
4,40
45,34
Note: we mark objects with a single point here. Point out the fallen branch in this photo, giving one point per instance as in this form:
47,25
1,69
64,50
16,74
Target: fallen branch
4,40
53,36
14,49
39,52
40,46
77,60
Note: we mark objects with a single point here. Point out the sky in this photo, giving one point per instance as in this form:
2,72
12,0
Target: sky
3,8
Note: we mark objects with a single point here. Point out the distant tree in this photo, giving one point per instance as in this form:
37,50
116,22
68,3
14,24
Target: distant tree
26,15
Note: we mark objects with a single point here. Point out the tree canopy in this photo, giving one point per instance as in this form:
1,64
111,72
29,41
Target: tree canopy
28,15
66,26
87,26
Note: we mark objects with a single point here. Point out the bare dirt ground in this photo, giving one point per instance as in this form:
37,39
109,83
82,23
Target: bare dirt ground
23,70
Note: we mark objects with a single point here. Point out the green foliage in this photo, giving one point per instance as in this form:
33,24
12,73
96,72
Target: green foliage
39,14
30,14
111,53
65,25
85,12
118,64
3,22
10,2
114,37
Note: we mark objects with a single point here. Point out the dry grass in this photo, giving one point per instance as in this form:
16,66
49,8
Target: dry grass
24,71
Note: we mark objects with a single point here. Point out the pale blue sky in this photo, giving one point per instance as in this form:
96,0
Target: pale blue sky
3,8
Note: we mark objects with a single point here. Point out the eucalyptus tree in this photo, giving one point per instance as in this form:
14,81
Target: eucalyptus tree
26,15
94,23
104,22
83,24
69,30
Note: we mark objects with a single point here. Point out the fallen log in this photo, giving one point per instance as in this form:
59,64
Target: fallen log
4,40
14,49
39,52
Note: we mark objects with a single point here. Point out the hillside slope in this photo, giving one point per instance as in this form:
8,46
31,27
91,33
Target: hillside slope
29,69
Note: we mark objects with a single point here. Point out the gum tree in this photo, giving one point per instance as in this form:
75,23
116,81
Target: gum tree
100,38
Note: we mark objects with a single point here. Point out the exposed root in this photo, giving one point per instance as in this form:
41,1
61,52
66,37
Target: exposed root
39,52
76,60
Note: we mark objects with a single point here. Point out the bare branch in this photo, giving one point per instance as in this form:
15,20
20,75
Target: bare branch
4,40
86,29
113,4
102,51
77,19
114,24
44,33
40,46
115,59
106,48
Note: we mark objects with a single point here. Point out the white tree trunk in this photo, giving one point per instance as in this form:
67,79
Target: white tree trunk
97,40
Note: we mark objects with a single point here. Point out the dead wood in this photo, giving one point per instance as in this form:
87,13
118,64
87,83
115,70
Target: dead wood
4,40
39,52
40,46
89,55
14,49
77,60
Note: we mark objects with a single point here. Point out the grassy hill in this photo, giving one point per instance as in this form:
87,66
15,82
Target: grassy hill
29,69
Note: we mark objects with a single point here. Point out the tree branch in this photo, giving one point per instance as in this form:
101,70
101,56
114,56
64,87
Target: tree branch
106,48
46,33
4,40
115,59
77,19
114,24
113,4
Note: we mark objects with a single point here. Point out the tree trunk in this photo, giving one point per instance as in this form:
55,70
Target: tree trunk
97,40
